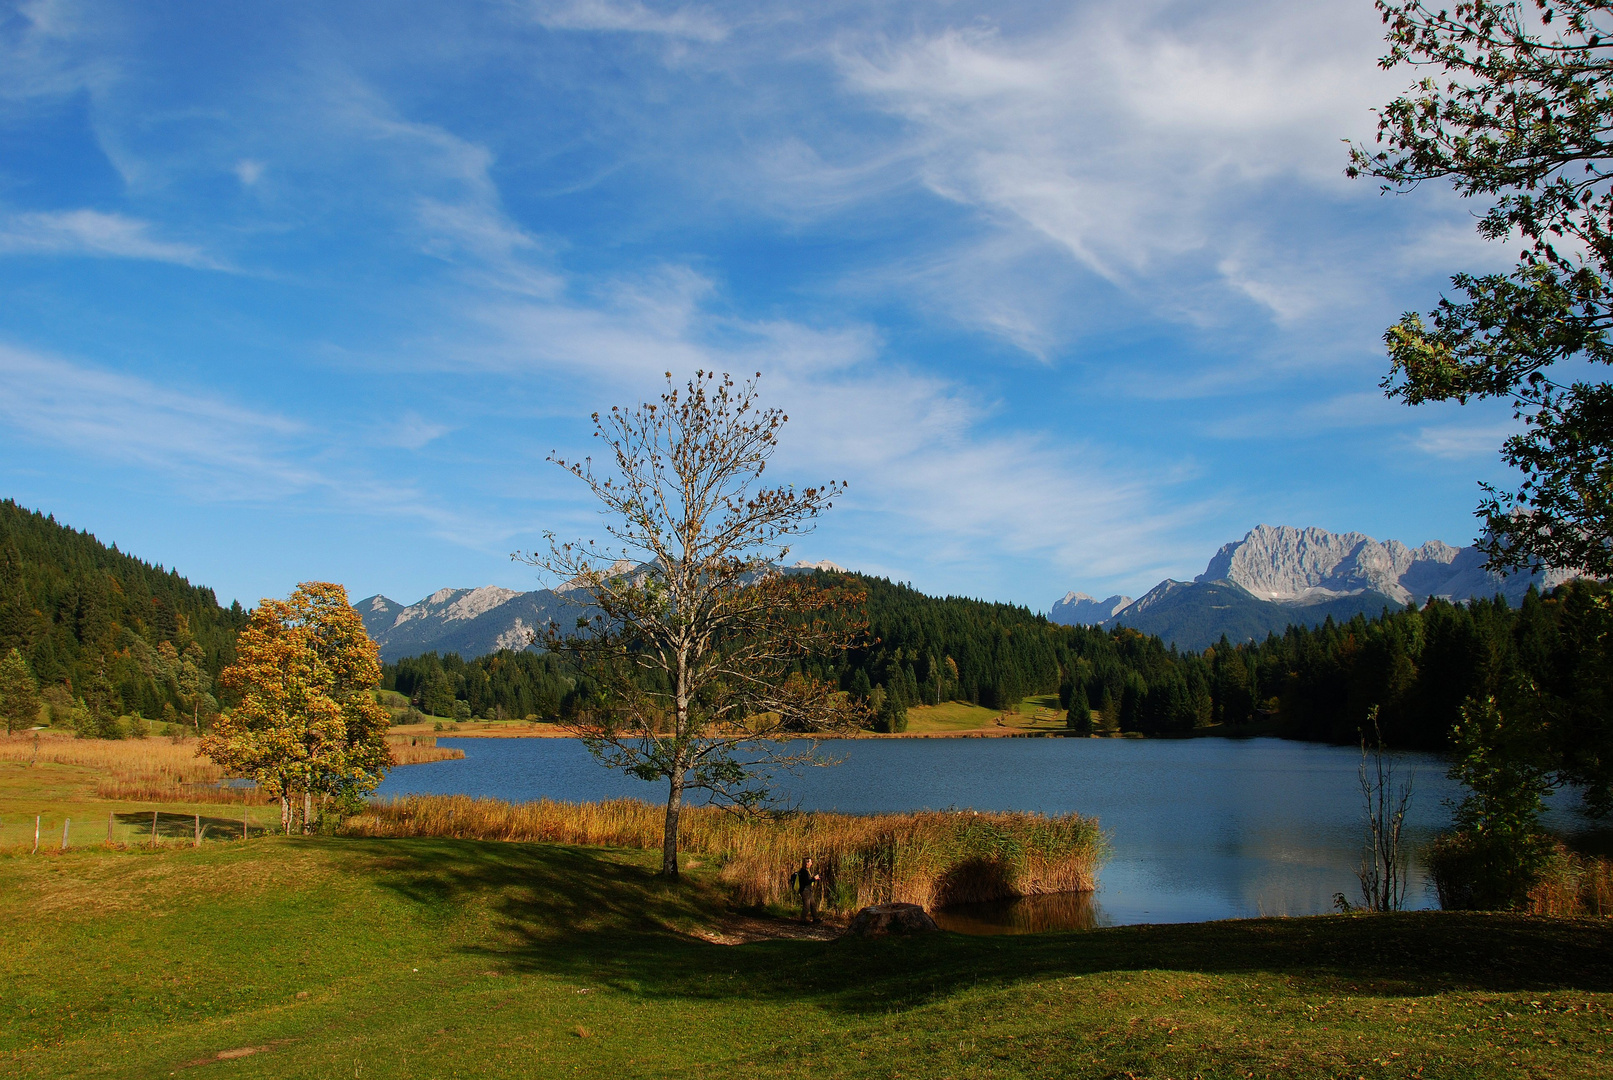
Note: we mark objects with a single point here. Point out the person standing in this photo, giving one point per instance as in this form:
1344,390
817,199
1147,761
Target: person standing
808,884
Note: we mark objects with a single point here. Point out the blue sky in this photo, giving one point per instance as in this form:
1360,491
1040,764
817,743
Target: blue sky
1071,294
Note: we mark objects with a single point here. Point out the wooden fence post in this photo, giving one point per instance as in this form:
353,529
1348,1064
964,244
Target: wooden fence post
198,842
109,817
36,830
65,823
243,819
154,828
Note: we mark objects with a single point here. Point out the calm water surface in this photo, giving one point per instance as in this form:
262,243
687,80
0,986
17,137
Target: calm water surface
1199,828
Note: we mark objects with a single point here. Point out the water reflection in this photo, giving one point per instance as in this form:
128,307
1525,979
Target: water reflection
1199,828
1025,915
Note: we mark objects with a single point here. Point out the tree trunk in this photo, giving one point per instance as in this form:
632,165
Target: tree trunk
285,811
669,844
307,812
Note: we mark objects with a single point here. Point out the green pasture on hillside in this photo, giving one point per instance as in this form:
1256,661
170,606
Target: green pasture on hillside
1041,713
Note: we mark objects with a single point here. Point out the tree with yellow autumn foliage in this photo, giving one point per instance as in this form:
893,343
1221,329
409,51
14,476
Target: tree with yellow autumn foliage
307,726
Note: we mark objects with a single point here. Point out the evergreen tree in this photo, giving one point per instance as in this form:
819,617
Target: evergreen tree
1131,704
1108,710
19,693
1080,715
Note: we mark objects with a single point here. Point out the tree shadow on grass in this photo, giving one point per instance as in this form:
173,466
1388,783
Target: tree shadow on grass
603,916
177,826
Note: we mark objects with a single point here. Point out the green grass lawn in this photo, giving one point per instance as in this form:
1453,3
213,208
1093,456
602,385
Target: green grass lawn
336,957
440,958
1040,713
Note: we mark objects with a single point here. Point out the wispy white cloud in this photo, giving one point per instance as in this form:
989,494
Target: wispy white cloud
630,16
410,431
923,453
204,445
1145,143
441,185
1324,416
94,233
1458,441
235,451
38,59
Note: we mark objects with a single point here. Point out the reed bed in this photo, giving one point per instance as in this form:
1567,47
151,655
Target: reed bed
168,769
1574,885
933,859
419,749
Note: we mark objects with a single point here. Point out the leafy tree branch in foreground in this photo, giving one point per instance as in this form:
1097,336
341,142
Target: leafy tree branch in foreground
1517,106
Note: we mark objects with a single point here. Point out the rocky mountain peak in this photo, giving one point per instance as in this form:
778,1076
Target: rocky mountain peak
1291,565
1077,608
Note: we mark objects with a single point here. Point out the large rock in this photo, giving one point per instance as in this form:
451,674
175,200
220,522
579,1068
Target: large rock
891,919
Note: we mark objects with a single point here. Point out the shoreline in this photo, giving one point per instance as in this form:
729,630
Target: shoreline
513,730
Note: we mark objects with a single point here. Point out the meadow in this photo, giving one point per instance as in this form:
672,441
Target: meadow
167,768
443,956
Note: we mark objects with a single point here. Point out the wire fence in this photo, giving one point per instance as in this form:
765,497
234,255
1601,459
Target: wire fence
53,833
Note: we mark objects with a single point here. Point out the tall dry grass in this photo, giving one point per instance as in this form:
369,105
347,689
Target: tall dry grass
1574,884
419,749
168,769
933,858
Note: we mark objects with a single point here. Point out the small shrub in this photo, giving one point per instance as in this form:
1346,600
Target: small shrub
1477,872
1496,854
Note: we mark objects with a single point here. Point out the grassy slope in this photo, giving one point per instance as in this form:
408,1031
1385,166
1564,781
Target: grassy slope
428,958
1040,713
441,958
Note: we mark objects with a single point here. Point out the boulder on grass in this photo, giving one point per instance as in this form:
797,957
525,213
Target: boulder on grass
891,919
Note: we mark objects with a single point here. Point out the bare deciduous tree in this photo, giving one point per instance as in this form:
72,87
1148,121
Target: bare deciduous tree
1383,866
693,638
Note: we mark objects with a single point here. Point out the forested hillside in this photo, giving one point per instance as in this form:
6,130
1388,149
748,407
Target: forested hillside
104,633
1418,665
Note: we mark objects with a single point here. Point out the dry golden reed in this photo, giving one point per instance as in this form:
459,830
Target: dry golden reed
1574,885
934,858
168,768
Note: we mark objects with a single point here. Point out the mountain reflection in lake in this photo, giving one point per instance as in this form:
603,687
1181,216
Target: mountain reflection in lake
1199,828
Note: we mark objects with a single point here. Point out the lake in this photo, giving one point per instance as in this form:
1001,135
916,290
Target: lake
1199,829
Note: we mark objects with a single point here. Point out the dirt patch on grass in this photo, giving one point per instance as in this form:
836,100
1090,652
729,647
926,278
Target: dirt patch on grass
235,1054
737,929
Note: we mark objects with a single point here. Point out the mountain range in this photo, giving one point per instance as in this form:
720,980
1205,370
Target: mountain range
475,622
1277,575
1273,577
